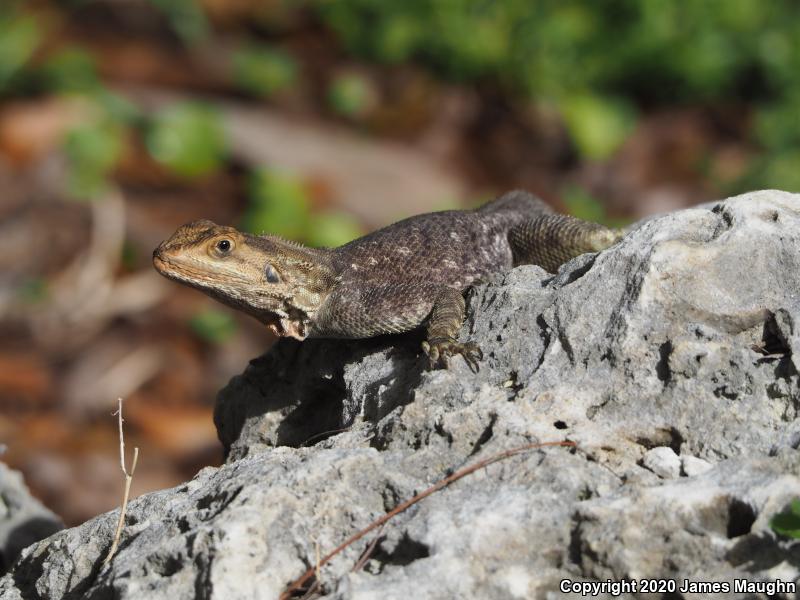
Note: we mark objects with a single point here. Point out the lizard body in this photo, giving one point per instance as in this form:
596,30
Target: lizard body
395,279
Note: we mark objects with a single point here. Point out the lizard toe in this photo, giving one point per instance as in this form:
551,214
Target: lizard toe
431,350
440,350
472,355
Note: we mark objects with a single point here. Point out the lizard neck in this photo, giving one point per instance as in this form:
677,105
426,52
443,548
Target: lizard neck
306,277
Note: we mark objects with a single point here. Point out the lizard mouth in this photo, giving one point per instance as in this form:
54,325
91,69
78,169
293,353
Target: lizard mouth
286,327
275,328
180,272
165,266
159,263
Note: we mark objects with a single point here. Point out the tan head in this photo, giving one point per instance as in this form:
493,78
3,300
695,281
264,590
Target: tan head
280,283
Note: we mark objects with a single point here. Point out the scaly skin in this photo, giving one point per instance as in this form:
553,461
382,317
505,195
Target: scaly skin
398,278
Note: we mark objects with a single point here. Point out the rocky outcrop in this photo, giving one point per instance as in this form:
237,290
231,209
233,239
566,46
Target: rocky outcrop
669,359
23,519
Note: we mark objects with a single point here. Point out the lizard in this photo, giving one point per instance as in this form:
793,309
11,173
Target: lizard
406,275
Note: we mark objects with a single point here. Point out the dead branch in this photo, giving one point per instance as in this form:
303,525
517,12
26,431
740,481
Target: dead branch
323,434
368,552
442,483
128,480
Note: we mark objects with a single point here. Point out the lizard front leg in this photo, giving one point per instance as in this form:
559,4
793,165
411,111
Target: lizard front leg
445,320
551,240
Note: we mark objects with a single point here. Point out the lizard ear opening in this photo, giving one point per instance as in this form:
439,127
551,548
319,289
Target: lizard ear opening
271,274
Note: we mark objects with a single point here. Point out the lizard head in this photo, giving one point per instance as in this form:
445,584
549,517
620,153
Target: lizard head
278,282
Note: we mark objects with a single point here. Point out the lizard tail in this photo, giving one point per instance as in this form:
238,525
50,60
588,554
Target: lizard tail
551,240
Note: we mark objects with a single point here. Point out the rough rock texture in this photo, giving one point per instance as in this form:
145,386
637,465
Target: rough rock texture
670,359
23,519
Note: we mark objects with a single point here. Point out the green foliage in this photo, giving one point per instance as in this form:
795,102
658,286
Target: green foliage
583,57
549,47
117,108
186,18
598,125
777,126
331,229
33,291
583,205
92,150
187,138
788,523
350,94
280,205
129,256
213,326
263,71
70,70
779,170
19,37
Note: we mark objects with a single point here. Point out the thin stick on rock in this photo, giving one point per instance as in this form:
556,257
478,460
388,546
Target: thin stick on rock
317,553
128,480
442,483
368,552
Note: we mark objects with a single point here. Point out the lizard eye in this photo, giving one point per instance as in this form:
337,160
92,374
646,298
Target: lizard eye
223,246
272,274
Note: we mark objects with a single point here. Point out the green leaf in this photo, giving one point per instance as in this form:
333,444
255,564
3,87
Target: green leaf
213,326
19,37
788,522
33,291
778,126
263,71
187,138
351,94
186,18
331,229
117,108
780,171
598,125
279,204
92,151
129,255
583,205
397,39
70,70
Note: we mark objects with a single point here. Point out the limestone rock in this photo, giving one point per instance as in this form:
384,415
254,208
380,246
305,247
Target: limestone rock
23,519
692,466
683,338
663,462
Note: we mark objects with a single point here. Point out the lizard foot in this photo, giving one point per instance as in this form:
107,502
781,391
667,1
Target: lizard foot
439,350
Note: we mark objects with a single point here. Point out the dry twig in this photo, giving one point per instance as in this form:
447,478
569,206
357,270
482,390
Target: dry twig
442,483
368,552
128,480
323,434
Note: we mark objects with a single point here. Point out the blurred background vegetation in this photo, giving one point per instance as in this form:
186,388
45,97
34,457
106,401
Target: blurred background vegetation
320,120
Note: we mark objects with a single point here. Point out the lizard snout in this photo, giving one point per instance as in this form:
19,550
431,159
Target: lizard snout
158,258
163,253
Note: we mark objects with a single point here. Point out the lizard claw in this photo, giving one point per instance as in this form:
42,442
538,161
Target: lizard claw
439,351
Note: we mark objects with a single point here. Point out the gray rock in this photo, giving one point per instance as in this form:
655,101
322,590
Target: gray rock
663,462
681,338
692,466
23,519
